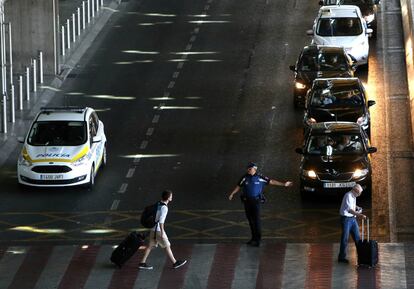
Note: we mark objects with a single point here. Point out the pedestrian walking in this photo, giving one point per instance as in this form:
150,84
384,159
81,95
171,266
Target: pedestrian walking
158,236
349,212
252,185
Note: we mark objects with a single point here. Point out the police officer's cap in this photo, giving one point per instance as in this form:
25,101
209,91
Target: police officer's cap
251,165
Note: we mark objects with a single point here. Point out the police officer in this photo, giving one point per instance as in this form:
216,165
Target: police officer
252,185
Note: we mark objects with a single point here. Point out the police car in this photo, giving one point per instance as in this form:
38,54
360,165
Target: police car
65,146
343,26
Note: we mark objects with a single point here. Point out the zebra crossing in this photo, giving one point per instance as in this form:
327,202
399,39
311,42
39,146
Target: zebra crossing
210,266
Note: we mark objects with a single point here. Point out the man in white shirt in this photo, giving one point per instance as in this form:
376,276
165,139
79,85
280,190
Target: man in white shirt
158,236
349,211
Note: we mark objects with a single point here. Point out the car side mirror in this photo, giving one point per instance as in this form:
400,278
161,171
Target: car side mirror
309,32
96,139
321,3
377,2
372,150
369,31
292,67
371,102
20,139
299,151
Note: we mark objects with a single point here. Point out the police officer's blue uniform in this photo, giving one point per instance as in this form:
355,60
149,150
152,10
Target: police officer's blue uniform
252,188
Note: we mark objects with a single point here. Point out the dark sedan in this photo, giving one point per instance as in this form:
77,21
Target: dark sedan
319,61
335,157
338,99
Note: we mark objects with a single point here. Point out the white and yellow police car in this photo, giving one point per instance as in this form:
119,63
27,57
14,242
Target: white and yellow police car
65,146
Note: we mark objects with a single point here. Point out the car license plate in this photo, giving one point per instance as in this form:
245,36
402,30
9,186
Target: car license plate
51,177
339,185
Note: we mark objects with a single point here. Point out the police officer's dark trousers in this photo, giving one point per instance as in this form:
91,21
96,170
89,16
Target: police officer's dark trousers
252,209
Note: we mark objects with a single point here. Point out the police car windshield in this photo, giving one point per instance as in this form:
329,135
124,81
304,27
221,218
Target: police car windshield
346,26
323,61
347,2
337,96
57,133
335,144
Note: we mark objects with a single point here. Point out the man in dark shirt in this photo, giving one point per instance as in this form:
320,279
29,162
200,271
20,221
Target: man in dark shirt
252,188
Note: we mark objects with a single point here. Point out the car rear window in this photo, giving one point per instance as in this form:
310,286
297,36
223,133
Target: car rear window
344,26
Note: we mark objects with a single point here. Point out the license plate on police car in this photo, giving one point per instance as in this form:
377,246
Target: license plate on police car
51,177
339,185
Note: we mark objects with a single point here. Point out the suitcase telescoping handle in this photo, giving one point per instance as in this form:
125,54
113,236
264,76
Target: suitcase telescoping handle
363,226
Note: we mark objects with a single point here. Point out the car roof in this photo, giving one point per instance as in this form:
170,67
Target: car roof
335,11
323,48
337,80
335,127
63,113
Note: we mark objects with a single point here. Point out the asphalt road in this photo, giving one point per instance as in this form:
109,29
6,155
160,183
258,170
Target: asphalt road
189,92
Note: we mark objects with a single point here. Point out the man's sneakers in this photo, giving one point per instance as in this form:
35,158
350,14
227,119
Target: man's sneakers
145,266
179,263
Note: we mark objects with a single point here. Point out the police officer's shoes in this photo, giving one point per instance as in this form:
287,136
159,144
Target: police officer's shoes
253,243
144,266
179,263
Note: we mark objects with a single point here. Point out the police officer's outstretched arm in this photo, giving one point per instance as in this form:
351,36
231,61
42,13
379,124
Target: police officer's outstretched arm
235,190
274,182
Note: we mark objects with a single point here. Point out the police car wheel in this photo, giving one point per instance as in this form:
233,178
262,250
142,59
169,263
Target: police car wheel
104,156
91,178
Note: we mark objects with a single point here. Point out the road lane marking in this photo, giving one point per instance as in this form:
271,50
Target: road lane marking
206,7
130,173
166,94
188,47
156,118
176,74
123,187
137,160
180,65
171,84
150,131
115,205
196,30
193,38
143,144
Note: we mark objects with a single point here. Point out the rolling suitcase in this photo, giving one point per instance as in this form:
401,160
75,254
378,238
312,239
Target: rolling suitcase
367,249
127,248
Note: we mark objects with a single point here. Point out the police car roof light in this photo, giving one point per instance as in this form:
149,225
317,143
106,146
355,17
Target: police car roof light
63,109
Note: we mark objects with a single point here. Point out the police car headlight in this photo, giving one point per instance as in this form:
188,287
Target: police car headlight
369,18
80,161
358,173
24,162
309,174
299,85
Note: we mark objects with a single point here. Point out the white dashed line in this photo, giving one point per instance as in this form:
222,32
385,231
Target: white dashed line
115,205
123,187
150,131
210,1
166,94
196,30
171,84
130,173
136,161
188,47
180,65
143,144
156,118
193,38
176,74
206,7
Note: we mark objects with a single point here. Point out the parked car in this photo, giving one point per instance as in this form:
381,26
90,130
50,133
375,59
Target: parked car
343,26
368,9
65,146
338,99
335,157
317,61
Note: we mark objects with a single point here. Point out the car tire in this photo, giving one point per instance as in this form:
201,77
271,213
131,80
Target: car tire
304,194
91,182
104,157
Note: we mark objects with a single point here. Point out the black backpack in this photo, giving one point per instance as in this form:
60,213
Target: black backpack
149,214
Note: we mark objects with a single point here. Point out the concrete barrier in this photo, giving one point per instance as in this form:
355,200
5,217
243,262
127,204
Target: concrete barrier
408,27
